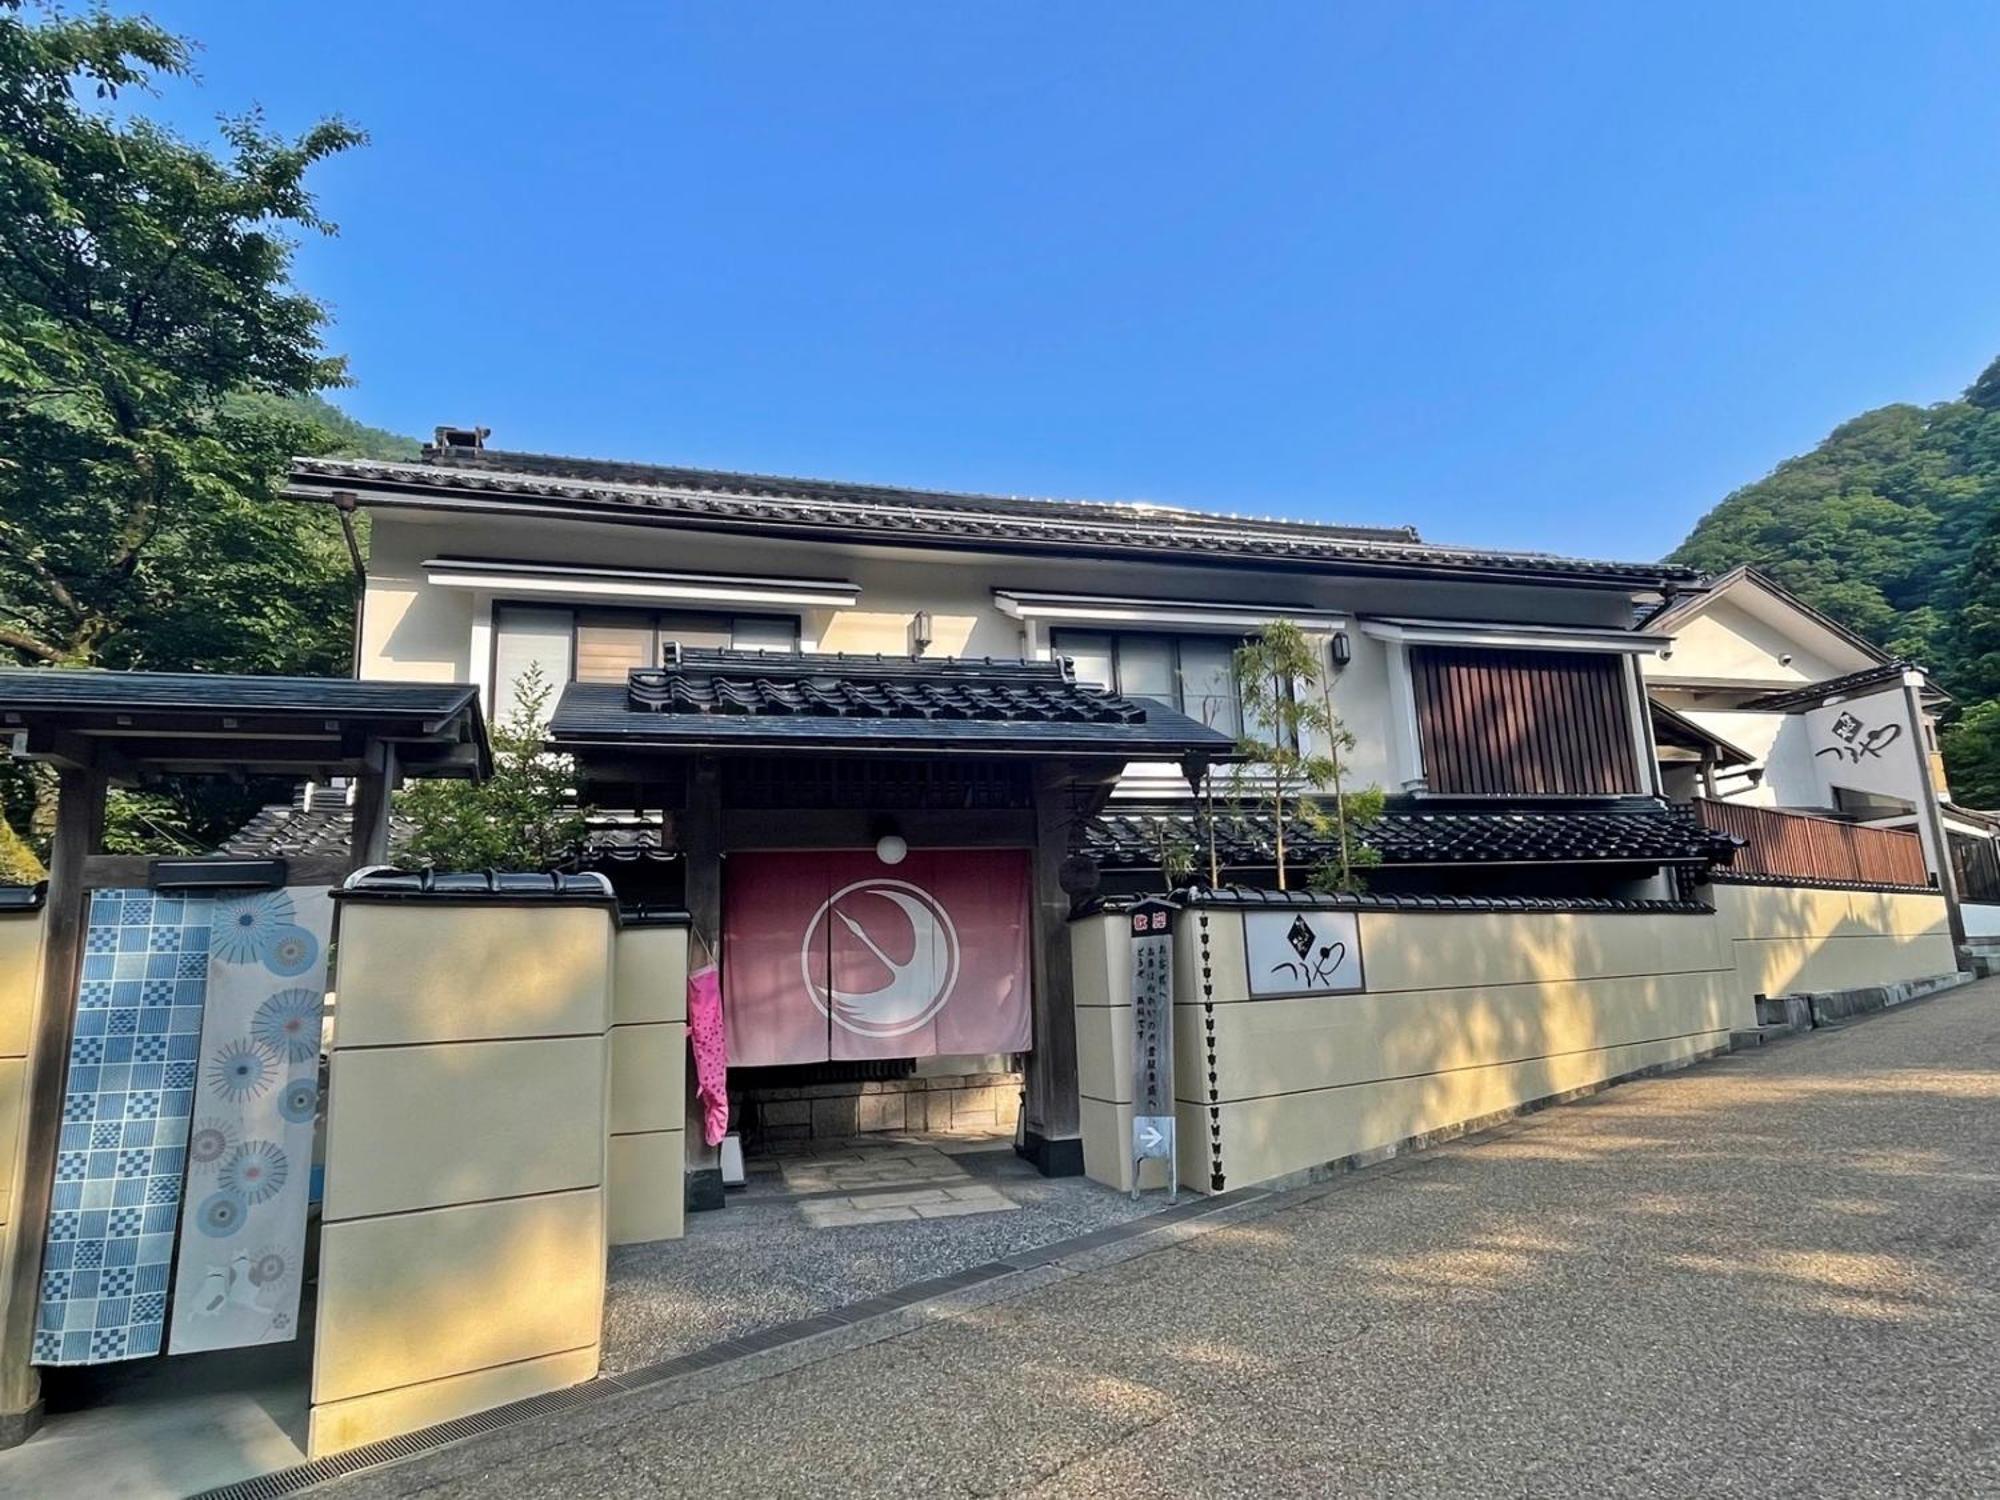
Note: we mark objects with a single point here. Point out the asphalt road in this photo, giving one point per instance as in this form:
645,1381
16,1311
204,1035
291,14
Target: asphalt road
1776,1274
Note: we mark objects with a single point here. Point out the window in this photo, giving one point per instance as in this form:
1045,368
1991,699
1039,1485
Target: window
1523,723
602,645
1192,674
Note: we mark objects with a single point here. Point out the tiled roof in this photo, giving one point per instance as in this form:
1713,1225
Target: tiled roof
53,689
1648,833
875,687
1814,693
1253,896
832,701
318,820
708,499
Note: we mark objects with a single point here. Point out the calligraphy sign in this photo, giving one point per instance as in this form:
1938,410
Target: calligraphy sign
1153,1041
1298,951
1865,745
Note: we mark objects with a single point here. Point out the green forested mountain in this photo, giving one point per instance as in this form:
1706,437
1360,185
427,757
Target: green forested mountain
1892,526
343,437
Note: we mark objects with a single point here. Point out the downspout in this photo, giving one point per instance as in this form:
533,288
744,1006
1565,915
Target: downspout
345,505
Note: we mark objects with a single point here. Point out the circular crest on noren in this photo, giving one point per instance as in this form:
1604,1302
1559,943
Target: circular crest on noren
882,916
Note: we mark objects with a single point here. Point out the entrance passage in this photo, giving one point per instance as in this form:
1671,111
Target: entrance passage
824,1223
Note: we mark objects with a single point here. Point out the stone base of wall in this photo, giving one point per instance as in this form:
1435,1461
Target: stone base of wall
1802,1012
961,1103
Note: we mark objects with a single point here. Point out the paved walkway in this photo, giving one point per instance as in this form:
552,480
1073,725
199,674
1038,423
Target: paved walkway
1778,1274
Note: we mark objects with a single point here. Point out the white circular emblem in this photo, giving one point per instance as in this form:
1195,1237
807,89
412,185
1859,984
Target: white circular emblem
872,911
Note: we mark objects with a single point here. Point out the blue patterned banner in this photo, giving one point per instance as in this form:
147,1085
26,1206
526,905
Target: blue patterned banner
123,1146
250,1156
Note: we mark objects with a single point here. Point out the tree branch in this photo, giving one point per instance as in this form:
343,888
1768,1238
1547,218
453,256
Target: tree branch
23,642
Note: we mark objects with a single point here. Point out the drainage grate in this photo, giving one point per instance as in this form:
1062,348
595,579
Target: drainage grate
338,1466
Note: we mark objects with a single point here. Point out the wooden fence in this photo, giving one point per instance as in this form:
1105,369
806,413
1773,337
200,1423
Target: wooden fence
1797,846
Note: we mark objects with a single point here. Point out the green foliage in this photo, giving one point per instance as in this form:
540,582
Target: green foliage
157,372
1972,748
1286,774
523,817
1891,526
144,294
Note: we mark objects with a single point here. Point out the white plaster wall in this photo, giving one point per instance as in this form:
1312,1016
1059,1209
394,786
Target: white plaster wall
1728,641
1982,919
1782,747
1466,1014
415,630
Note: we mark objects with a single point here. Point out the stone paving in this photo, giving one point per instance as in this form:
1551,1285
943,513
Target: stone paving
1776,1274
828,1223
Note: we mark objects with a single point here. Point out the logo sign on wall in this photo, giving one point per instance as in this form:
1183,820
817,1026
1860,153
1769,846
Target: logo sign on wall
1865,745
1294,951
834,956
1153,1041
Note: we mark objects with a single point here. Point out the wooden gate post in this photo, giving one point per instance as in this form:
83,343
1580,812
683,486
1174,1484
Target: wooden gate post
79,831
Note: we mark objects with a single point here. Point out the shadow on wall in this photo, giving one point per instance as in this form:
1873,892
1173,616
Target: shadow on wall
1799,939
1467,1015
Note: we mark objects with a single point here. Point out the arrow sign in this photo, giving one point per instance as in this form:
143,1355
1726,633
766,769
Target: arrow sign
1153,1041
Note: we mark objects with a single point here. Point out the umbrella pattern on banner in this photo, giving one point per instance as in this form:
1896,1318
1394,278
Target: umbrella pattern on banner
250,1151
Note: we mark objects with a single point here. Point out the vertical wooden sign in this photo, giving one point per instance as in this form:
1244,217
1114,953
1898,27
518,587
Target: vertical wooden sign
1153,1042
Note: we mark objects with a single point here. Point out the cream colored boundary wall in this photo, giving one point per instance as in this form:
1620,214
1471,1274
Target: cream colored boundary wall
1466,1014
463,1249
20,990
649,1068
1793,940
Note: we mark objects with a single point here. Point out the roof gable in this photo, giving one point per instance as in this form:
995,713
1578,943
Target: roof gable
1745,628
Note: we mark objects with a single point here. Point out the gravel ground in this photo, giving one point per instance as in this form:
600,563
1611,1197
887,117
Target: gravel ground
1777,1274
758,1262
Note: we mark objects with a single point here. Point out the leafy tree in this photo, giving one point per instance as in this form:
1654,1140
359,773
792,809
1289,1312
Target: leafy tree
522,817
1287,715
156,375
144,293
1972,746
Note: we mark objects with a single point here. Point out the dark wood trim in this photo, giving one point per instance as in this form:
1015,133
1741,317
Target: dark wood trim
1494,722
748,828
106,872
1052,1106
78,832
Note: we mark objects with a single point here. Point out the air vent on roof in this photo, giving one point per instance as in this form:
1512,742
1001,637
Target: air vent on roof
462,437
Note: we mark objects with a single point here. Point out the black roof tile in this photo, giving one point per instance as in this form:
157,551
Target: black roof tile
50,688
1652,833
833,701
773,506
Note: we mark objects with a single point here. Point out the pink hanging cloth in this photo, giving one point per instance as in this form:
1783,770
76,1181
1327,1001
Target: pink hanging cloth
711,1052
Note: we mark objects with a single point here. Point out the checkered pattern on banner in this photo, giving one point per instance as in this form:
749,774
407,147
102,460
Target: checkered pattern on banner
127,1102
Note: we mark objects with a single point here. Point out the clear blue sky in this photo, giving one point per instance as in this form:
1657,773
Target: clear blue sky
1540,275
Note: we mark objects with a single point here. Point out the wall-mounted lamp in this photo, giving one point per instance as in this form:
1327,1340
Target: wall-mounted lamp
1343,649
890,845
920,631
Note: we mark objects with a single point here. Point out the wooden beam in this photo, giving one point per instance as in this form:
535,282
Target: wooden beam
372,806
1052,1133
753,828
103,872
79,831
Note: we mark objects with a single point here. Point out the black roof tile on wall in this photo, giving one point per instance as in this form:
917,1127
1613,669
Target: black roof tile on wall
772,506
1654,833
